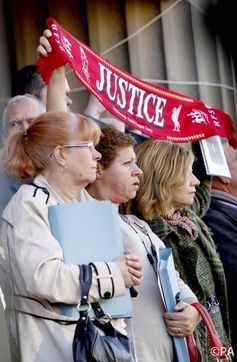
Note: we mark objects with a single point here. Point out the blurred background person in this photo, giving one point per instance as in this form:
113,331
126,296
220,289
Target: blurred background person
221,217
28,81
18,114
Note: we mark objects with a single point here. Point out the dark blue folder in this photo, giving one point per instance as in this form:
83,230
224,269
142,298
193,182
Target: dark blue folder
90,231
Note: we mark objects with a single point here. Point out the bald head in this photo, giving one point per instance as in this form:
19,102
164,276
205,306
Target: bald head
19,112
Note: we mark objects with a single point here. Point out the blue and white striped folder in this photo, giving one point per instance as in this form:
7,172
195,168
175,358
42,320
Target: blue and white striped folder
90,231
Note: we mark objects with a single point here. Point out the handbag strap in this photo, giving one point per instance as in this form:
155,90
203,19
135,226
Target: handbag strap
85,279
214,339
194,353
85,284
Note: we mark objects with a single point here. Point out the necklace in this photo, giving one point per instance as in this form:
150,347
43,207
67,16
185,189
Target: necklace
152,253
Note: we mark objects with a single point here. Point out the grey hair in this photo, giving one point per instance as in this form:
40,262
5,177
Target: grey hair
23,99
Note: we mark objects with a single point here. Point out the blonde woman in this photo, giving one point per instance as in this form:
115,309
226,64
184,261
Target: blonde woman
172,201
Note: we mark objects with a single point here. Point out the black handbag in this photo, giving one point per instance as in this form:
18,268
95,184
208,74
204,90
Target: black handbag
88,344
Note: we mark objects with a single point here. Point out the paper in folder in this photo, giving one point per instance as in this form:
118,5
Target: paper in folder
90,231
170,291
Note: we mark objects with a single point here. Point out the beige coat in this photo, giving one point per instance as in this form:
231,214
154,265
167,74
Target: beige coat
34,262
150,337
147,328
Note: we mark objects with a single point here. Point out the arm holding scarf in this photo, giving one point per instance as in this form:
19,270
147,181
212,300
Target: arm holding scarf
56,95
157,105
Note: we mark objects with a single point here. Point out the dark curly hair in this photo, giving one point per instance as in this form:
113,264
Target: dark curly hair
111,141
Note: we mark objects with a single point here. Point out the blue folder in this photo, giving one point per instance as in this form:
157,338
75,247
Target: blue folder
90,231
170,291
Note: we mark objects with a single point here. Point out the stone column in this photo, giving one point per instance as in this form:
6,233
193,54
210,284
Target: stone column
27,22
107,30
146,50
179,47
227,78
72,15
206,56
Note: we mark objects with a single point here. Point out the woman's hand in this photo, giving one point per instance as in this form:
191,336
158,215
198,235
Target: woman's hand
57,99
182,322
44,46
131,269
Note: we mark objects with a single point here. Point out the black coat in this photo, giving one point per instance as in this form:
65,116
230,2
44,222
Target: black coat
222,219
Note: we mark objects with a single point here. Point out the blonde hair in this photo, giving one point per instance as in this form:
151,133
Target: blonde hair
165,165
26,153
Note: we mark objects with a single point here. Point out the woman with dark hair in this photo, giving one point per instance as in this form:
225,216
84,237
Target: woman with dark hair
117,180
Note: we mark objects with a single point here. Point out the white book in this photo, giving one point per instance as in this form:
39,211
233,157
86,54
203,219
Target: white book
214,157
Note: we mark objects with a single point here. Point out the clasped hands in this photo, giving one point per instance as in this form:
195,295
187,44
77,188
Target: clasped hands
131,269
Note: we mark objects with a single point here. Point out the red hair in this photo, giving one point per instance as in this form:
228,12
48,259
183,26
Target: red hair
25,154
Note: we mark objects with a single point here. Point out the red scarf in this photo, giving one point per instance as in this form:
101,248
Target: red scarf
155,111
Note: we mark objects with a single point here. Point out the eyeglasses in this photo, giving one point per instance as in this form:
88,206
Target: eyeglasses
90,145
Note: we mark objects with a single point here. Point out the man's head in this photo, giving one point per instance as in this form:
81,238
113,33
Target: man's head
19,112
28,81
223,183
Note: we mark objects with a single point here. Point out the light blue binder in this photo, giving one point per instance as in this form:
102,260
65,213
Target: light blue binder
90,231
170,290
